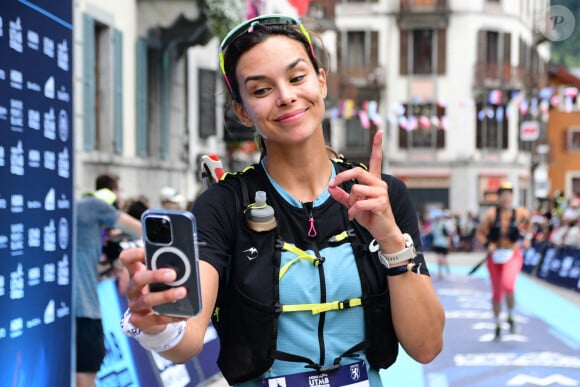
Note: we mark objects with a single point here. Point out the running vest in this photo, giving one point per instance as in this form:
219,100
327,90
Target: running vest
248,307
495,232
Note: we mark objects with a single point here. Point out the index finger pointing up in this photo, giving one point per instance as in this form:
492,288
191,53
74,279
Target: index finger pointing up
376,160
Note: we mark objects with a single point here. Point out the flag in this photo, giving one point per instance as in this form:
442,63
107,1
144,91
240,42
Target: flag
424,122
364,119
494,97
571,92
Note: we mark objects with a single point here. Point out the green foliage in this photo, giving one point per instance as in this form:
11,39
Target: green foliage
223,15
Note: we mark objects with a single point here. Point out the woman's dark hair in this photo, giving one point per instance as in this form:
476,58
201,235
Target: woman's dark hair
259,34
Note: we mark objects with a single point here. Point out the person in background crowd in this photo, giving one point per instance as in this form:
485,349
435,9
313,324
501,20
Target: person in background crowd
501,230
93,214
171,199
336,283
440,230
467,228
568,233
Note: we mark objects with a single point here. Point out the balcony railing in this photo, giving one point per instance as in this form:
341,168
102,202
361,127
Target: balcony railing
505,75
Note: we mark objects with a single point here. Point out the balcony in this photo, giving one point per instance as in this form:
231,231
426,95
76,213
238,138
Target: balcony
365,76
423,13
507,76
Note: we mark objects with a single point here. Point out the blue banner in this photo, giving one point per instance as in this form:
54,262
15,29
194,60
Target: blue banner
36,192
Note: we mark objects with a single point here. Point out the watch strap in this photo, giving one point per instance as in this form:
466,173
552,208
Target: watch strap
411,266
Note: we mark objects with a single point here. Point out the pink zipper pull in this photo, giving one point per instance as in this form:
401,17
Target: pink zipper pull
312,231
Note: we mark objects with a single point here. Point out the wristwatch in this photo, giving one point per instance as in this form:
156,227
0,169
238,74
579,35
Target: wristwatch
409,252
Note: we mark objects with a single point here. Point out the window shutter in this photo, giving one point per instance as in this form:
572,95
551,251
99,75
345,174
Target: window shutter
403,54
118,97
141,95
481,57
504,130
89,129
565,140
374,49
441,51
478,127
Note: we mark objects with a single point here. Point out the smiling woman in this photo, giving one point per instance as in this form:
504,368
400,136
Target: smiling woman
331,291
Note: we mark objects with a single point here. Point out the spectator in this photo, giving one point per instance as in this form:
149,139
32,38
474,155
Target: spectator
92,216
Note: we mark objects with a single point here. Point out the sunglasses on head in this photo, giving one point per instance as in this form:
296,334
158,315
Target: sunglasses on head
248,26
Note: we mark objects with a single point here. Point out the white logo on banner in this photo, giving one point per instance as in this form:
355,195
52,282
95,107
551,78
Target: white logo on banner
17,283
49,88
63,95
63,310
49,272
63,125
34,237
15,35
16,238
50,124
49,312
16,327
63,275
50,236
33,39
64,164
49,160
62,55
16,115
34,158
528,380
16,204
33,119
17,159
48,47
2,157
16,80
63,203
63,234
34,276
49,200
2,286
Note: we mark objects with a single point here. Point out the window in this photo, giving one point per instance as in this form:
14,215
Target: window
422,51
491,126
573,139
359,51
102,87
422,126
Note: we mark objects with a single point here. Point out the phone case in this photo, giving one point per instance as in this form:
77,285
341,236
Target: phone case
175,248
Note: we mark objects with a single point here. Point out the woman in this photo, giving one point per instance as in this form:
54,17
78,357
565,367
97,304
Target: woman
501,230
306,297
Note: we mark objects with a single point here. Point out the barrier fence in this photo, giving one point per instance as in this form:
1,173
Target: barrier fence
559,265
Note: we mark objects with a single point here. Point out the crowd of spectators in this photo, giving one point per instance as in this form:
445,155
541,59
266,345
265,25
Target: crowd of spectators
555,221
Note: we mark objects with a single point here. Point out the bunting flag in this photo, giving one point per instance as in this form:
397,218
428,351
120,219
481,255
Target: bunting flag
524,107
424,122
346,108
444,123
413,123
546,92
571,92
372,109
499,113
555,100
404,123
364,119
436,122
494,97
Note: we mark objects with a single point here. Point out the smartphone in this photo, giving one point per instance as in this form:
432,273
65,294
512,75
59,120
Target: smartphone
170,240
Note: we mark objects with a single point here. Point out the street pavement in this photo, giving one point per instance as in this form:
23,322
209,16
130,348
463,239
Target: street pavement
544,351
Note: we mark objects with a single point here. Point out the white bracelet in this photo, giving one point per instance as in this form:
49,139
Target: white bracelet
158,342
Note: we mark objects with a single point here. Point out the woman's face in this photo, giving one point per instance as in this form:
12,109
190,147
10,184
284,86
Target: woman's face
281,92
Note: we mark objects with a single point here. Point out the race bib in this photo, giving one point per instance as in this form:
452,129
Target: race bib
350,375
502,255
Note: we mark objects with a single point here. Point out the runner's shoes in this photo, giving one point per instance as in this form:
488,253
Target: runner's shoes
512,325
497,336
